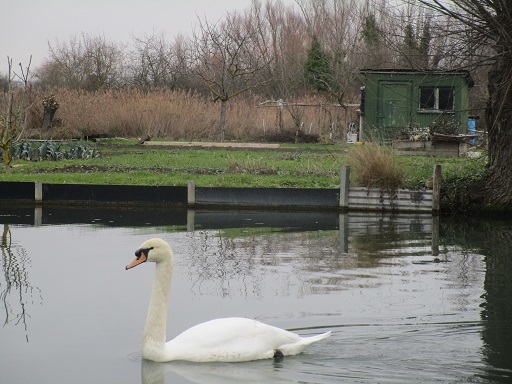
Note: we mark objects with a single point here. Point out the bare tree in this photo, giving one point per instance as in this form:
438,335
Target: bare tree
181,65
281,33
488,24
224,60
89,63
374,48
50,106
332,23
158,64
421,39
13,120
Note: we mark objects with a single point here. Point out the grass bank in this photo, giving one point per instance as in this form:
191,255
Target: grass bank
296,166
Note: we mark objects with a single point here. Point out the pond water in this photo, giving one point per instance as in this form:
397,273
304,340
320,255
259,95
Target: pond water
409,298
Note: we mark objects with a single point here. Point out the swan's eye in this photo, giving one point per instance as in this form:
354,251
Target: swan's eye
141,251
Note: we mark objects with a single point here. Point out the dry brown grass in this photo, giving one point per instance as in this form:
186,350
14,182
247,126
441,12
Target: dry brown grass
169,115
376,167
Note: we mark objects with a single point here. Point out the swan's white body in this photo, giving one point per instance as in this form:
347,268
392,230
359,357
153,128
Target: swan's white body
222,340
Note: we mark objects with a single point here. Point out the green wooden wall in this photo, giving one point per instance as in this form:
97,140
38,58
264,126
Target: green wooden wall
392,100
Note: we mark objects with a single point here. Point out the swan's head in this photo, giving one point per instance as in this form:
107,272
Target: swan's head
156,250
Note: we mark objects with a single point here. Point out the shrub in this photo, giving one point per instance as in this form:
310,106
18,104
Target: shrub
290,136
376,167
456,191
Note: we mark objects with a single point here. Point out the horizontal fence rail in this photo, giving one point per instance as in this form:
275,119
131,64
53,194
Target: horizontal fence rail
402,199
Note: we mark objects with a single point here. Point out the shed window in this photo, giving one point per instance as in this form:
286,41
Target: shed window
437,98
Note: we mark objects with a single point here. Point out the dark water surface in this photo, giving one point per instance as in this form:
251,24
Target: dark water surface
410,299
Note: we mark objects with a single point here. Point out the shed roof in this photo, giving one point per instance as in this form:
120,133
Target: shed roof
459,72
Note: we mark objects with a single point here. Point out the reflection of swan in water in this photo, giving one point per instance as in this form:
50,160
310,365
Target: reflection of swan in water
220,340
213,373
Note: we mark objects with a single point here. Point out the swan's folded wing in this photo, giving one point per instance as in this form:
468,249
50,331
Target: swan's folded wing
229,339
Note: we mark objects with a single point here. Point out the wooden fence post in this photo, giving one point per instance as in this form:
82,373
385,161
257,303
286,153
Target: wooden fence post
344,186
436,188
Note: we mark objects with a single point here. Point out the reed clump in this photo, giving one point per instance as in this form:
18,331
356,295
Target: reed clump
375,166
170,115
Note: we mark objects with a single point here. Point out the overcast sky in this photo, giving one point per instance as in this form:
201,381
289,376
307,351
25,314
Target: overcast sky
27,26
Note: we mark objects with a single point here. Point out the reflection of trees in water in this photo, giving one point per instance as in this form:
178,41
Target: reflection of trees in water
464,276
461,265
254,263
298,262
497,309
216,259
17,286
494,240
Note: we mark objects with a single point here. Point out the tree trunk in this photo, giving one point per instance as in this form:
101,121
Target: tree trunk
5,137
223,112
497,188
50,106
279,116
47,120
6,158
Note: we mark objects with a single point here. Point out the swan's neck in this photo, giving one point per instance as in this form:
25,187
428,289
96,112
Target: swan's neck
155,329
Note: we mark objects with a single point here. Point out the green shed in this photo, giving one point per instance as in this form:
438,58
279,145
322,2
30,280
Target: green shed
396,99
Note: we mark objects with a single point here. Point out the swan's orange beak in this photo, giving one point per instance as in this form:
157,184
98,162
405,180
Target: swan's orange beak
139,260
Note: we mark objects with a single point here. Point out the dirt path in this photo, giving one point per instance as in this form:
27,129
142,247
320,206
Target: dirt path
210,144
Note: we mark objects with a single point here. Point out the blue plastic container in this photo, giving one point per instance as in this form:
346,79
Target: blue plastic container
472,129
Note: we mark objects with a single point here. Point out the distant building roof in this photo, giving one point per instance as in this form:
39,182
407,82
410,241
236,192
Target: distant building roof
464,73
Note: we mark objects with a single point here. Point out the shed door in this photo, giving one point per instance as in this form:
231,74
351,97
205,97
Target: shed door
394,107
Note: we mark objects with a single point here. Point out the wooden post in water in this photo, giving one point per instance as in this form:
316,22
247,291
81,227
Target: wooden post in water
191,202
191,220
38,216
38,192
344,187
191,193
435,235
436,188
343,228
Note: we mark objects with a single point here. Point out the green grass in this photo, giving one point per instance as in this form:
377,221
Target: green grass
297,166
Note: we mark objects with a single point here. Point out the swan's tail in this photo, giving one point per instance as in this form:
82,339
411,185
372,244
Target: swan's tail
298,347
314,339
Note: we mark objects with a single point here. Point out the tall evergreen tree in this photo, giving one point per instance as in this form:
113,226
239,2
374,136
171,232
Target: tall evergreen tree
374,46
415,46
317,68
370,31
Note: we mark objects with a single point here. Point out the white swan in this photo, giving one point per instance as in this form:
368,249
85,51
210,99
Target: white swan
221,340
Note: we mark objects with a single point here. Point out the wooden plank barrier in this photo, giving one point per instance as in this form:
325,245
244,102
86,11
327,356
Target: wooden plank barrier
401,200
360,198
